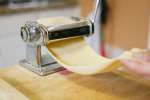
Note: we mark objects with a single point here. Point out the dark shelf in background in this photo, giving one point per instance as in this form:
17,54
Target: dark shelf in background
35,6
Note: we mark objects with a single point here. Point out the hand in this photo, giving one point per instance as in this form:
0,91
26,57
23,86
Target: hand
140,64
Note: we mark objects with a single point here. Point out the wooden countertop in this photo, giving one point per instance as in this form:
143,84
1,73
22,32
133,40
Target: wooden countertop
69,86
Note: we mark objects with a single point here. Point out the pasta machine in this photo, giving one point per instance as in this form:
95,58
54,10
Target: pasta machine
37,35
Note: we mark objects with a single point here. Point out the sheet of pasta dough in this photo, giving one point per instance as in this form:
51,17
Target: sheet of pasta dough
77,56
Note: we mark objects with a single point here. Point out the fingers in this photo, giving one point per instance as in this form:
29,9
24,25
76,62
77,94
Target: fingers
146,56
138,66
143,55
132,65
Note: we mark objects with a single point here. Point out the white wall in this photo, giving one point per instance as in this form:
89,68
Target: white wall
12,49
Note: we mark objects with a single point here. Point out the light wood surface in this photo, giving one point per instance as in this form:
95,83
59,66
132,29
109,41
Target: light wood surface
69,86
7,92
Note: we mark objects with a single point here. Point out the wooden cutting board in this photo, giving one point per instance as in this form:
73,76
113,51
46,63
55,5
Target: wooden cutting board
69,86
7,92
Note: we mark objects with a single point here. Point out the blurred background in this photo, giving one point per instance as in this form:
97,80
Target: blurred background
123,24
14,13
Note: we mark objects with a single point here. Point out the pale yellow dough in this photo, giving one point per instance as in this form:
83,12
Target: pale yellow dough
77,56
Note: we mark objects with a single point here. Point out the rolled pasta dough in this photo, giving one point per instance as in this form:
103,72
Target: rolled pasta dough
77,56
